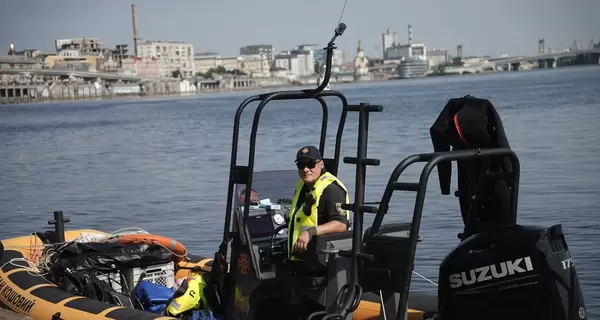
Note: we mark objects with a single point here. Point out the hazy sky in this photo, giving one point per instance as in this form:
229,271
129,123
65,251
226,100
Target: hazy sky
482,26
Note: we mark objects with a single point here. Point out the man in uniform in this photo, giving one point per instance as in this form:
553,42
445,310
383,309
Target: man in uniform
316,208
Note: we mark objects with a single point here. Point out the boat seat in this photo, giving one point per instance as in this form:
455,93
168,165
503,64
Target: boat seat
319,276
386,272
316,259
315,265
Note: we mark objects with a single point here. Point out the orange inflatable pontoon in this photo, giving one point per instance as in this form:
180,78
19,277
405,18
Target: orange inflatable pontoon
24,291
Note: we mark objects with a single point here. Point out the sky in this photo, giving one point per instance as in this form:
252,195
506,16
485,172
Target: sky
483,27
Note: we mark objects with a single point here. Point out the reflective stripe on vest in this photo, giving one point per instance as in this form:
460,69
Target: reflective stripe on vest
299,221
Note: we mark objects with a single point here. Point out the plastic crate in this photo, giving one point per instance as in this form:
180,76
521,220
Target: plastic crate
161,274
114,279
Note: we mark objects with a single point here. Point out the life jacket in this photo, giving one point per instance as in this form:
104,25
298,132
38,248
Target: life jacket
195,294
299,220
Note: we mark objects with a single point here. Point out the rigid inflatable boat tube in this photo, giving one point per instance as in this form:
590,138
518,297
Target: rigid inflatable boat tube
176,247
30,294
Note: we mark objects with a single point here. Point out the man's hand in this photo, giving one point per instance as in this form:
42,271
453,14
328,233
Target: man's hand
302,242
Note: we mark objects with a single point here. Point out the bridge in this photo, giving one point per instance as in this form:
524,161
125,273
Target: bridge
76,74
545,58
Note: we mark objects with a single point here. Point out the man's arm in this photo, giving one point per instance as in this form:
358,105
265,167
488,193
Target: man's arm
332,198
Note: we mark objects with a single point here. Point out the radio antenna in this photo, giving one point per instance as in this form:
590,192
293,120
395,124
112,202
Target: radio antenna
342,14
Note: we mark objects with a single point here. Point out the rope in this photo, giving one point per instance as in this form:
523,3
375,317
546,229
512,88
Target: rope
43,253
31,267
424,278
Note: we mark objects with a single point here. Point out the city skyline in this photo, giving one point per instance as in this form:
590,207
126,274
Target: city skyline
511,27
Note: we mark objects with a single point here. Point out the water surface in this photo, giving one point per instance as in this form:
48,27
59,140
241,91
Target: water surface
161,164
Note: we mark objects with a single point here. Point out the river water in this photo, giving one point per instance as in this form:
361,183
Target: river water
161,164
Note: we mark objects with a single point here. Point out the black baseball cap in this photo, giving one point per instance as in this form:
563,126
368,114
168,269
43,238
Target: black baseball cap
310,153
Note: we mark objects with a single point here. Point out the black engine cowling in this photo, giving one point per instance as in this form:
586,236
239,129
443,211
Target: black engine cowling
517,272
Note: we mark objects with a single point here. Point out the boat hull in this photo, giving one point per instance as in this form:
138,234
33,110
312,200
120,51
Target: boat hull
28,293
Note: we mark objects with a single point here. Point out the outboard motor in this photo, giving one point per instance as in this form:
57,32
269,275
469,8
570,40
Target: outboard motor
514,273
500,270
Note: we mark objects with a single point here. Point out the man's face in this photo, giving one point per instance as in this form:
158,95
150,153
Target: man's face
254,198
309,170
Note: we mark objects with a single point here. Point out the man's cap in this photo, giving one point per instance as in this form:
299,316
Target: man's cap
308,153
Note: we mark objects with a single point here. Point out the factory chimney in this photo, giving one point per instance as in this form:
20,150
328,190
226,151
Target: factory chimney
409,34
136,33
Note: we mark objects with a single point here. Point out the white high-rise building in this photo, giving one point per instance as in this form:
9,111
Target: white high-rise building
388,39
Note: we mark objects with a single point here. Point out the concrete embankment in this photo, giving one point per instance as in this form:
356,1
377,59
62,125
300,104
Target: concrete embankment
57,91
18,93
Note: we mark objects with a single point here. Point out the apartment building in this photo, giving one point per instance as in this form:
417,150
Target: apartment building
171,56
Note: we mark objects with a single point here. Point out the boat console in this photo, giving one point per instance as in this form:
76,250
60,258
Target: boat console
262,257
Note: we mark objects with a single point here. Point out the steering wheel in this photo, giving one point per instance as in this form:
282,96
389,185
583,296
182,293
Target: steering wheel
279,251
276,233
285,202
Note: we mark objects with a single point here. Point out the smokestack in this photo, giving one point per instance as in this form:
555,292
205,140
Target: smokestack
136,33
409,34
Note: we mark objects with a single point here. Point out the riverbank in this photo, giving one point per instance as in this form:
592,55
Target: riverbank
57,92
22,94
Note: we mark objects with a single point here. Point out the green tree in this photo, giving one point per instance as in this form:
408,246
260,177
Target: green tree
220,70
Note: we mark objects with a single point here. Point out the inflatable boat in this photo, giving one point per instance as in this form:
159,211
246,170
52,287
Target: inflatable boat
24,290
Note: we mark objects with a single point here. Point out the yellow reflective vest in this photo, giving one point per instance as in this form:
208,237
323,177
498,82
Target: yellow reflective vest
299,221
